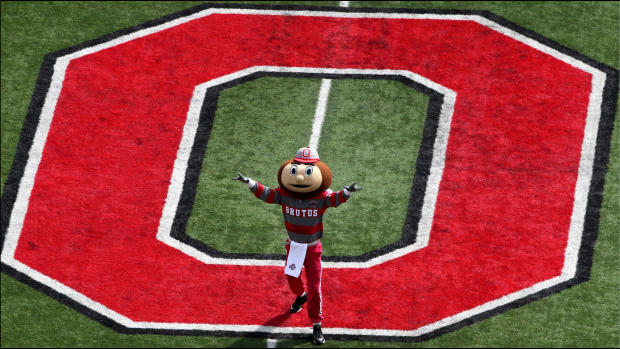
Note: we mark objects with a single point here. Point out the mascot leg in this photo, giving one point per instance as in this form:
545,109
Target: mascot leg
314,274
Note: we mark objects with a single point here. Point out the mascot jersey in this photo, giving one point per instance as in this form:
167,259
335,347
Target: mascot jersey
303,218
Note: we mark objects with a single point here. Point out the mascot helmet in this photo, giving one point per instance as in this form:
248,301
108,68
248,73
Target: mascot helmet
307,155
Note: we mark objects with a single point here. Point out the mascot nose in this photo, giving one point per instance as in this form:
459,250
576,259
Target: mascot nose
299,178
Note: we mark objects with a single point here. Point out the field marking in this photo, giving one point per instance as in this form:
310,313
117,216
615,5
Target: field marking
35,152
191,127
272,343
584,177
20,207
319,114
196,104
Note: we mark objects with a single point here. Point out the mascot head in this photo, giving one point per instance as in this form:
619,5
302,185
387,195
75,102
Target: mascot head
304,176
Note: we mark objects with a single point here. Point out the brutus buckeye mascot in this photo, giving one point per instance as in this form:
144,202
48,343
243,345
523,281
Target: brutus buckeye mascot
304,196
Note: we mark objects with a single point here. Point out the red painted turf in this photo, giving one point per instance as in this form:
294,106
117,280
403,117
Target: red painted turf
503,210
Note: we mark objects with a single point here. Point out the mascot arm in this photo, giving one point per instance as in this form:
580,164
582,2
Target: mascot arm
338,198
268,195
335,199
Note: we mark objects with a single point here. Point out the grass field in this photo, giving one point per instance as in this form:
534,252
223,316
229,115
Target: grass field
280,112
587,315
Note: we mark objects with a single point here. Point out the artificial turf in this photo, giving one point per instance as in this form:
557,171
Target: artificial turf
586,315
371,134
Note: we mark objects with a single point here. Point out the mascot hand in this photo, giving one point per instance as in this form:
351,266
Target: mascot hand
352,188
241,178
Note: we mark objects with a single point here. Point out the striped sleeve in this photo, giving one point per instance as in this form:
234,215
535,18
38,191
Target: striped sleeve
268,195
335,199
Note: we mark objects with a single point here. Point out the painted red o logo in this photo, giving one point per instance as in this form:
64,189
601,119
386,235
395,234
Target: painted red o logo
305,153
77,227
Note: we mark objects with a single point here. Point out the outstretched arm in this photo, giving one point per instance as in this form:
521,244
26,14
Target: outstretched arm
268,195
338,198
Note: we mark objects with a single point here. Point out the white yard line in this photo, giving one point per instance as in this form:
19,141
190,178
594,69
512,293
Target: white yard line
319,114
272,343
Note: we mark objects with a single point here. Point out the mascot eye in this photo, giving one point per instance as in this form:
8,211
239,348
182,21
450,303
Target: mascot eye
308,171
293,170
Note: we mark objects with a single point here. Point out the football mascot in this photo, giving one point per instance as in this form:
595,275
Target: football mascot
304,196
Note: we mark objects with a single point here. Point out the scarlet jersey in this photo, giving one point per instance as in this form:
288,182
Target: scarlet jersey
303,218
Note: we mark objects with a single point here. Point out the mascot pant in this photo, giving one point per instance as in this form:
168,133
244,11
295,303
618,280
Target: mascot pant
313,274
